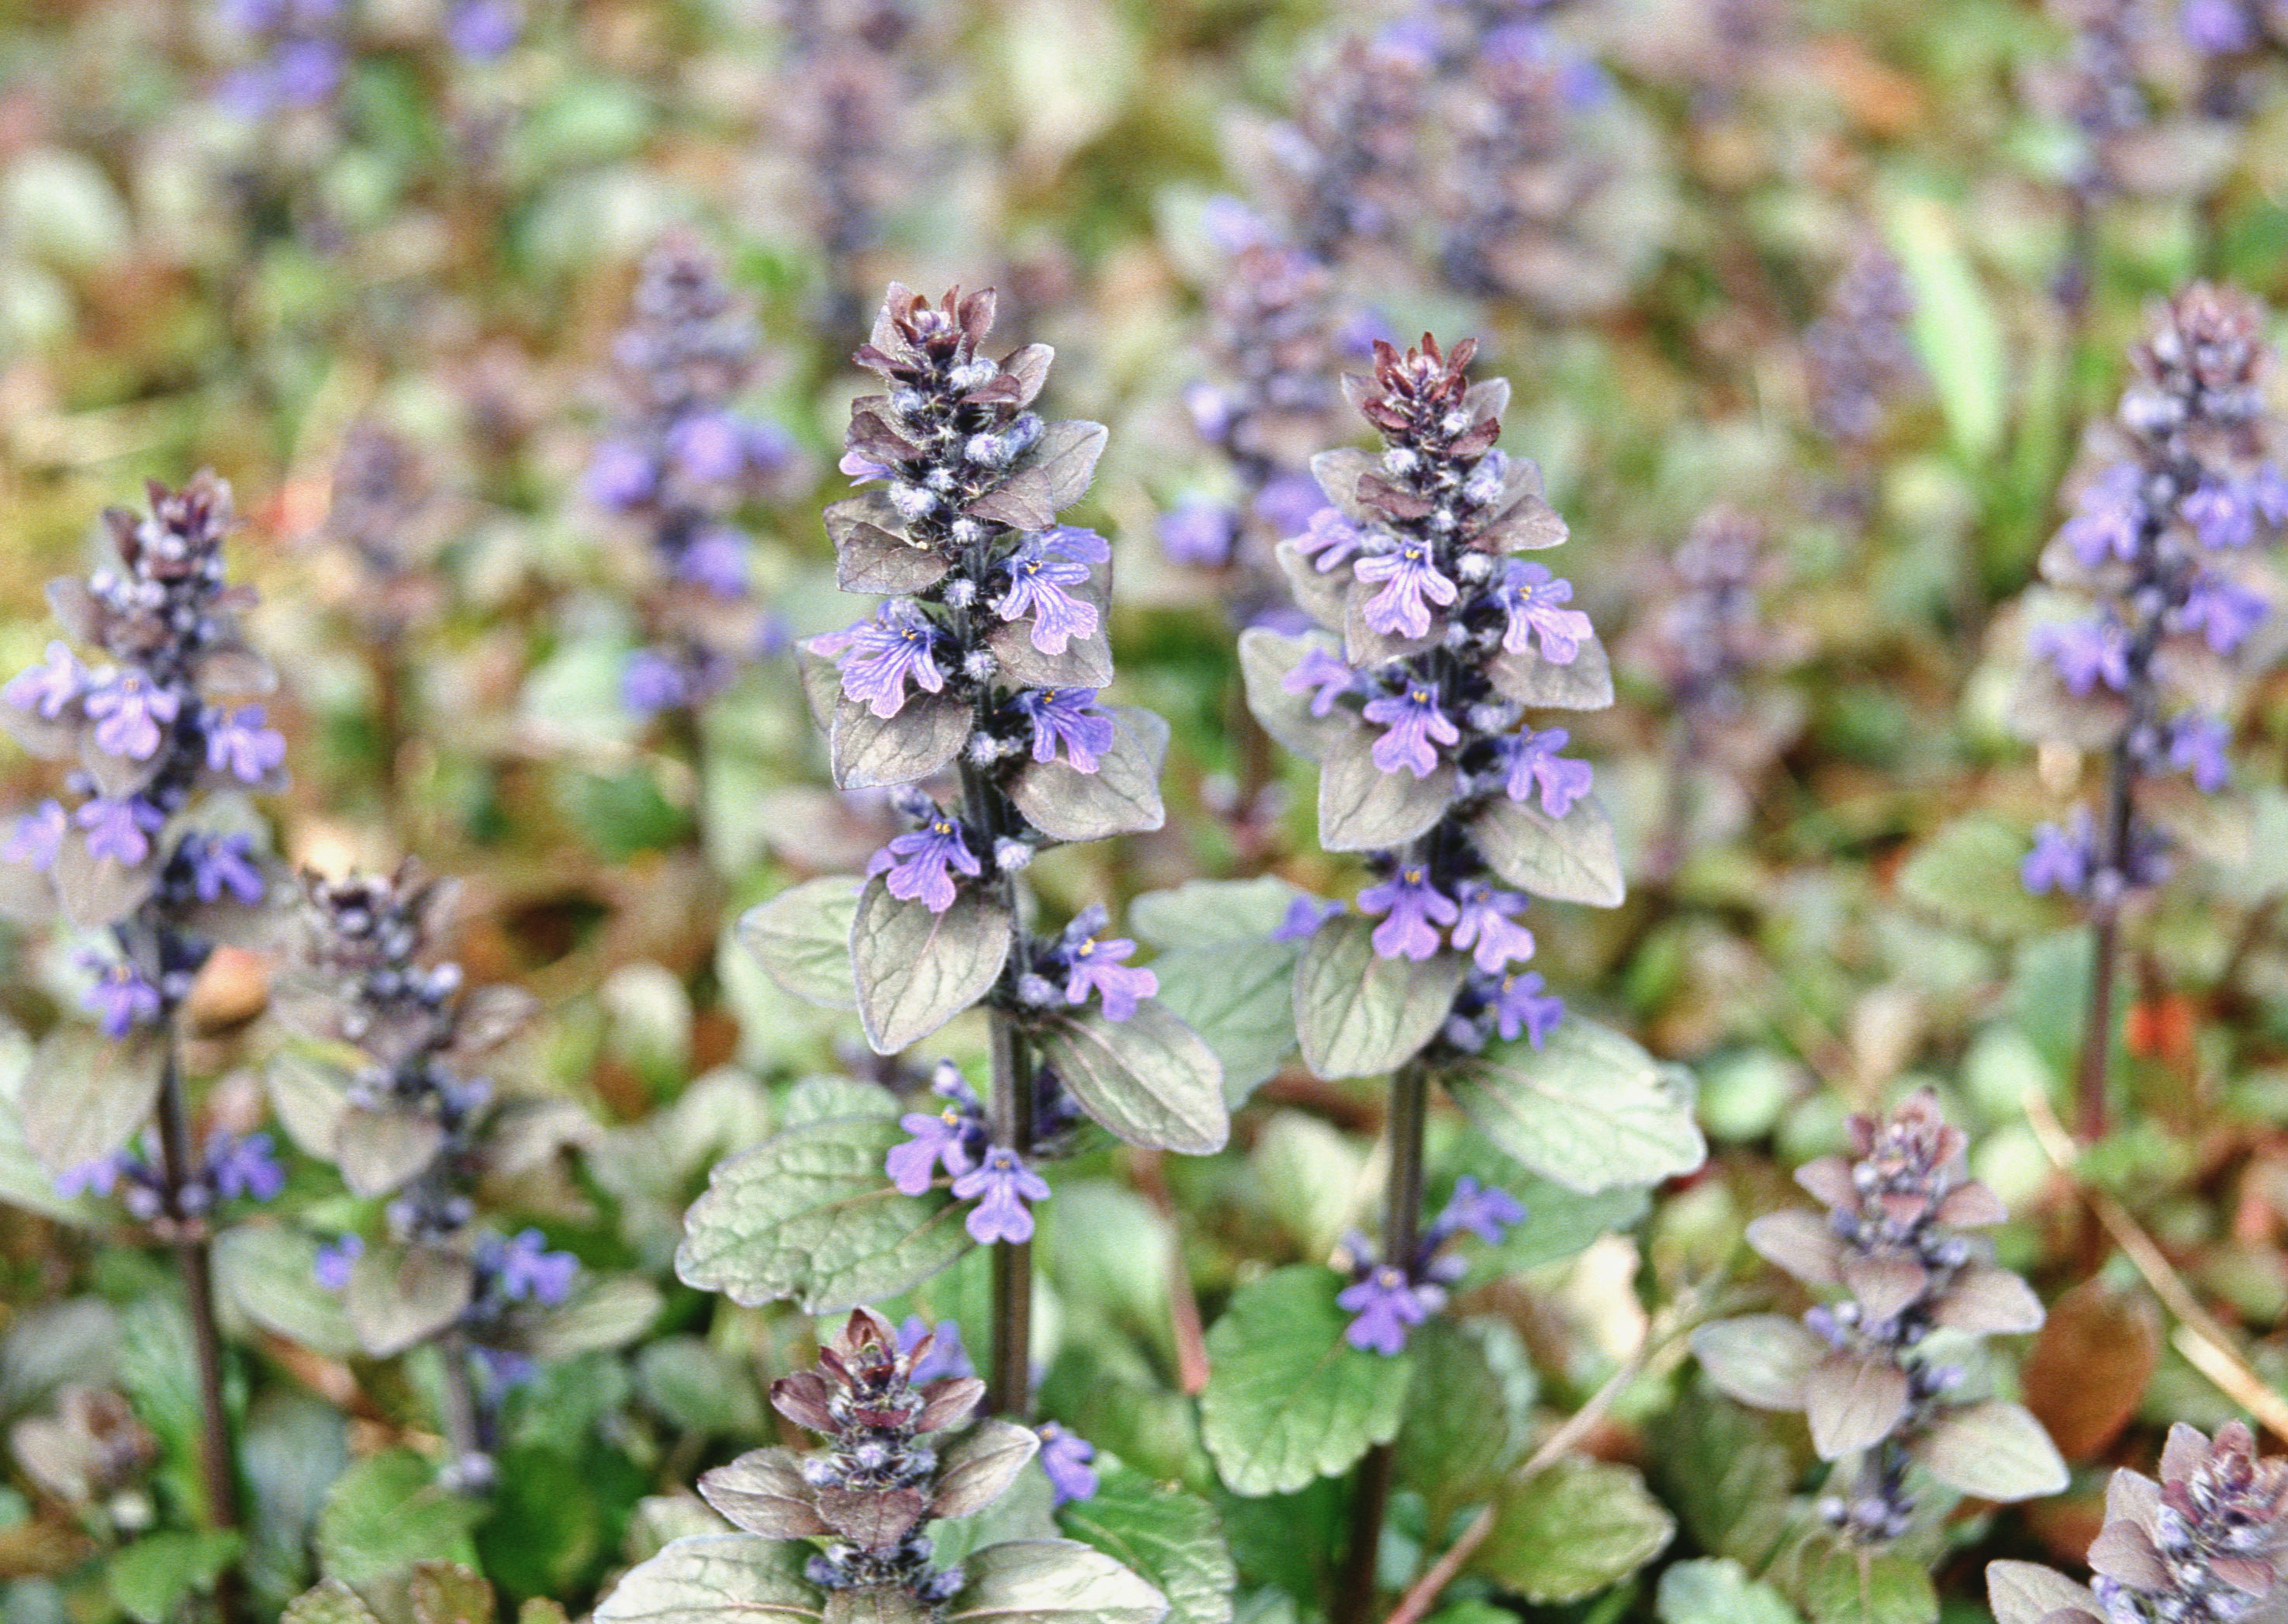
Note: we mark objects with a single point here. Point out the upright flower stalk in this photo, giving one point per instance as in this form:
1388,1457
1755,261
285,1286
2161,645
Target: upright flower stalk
2148,609
166,717
984,666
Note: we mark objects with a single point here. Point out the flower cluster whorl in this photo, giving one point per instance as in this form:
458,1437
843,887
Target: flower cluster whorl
1386,1296
680,460
1857,357
2189,480
1447,639
149,731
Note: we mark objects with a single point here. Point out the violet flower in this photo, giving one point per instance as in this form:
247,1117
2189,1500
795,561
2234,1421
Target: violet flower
1064,1459
919,863
1067,717
1416,725
1000,1184
879,656
1038,573
1414,905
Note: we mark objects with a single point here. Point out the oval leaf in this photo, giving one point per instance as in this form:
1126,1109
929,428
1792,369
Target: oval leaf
1165,1536
802,938
1053,1582
1571,859
1121,797
1148,1079
1358,1014
1572,1531
916,969
1362,808
709,1578
1588,1109
84,1095
869,751
1266,657
1992,1451
972,1473
1853,1403
1760,1360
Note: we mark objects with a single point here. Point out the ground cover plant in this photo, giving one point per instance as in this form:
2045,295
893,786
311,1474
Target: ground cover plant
1075,811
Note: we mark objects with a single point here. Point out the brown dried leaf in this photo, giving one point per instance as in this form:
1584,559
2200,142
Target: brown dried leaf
2088,1369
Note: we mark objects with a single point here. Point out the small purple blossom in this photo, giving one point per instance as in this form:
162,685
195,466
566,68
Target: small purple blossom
2222,514
1067,716
863,470
131,713
1320,670
1288,502
120,829
2197,744
878,656
1487,922
241,743
622,477
1330,539
1415,906
1386,1303
917,863
1065,1458
1305,916
942,1138
2109,517
38,834
526,1269
1039,571
335,1261
482,30
1519,1005
2223,611
244,1165
716,561
1534,763
1412,582
49,686
2216,28
946,1357
1532,599
652,681
1001,1185
2085,653
1199,534
1416,725
96,1177
121,998
1097,966
1474,1210
709,448
223,865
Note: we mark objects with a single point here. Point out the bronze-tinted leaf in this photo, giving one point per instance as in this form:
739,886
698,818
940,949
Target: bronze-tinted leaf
2027,1593
1884,1284
871,1517
2126,1552
1586,683
1086,662
1800,1243
381,1151
398,1299
1362,808
1066,458
917,970
1121,797
974,1470
870,751
1853,1403
1266,657
764,1492
1989,1300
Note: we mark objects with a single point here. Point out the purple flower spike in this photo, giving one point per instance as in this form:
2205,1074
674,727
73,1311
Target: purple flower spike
1001,1185
121,829
2086,654
526,1269
1412,583
238,742
1065,1458
1066,715
709,446
1321,670
131,711
1199,534
1532,600
878,656
38,834
2109,517
1415,726
1521,1006
2197,744
49,686
917,863
1039,571
944,1137
1329,540
2222,611
2062,856
1415,906
1481,1212
1487,923
1305,916
244,1166
121,998
1097,967
1534,763
1386,1303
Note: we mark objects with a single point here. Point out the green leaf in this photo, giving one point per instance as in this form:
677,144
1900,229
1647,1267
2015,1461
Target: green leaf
1164,1535
977,1467
1955,330
870,752
697,1387
1121,797
1586,683
1571,1530
810,1216
607,1312
1240,998
1728,1475
1841,1583
1966,875
1992,1451
85,1095
399,1297
918,969
1358,1014
1289,1399
1212,913
1761,1359
388,1512
1362,808
1266,657
447,1593
1718,1590
1458,1438
1148,1079
709,1579
1053,1582
330,1602
153,1577
1559,1223
1589,1108
269,1271
1571,859
802,938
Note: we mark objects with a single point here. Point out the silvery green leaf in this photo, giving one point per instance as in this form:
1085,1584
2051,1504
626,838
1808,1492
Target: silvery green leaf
1527,524
1718,1590
1065,456
55,739
1209,913
329,1602
874,1607
1148,1079
1488,399
870,555
379,1151
1989,1300
802,938
116,777
1266,657
399,1298
1086,661
1362,808
917,970
1318,594
2027,1593
1358,1014
764,1492
97,891
1853,1402
869,751
823,1099
1841,1582
1589,1108
1572,1531
822,685
1460,1435
811,1215
1570,859
1028,370
1121,797
975,1468
1585,684
1164,1535
1288,1400
1338,473
85,1095
1760,1360
606,1313
1992,1451
271,1273
708,1579
1239,996
1053,1582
